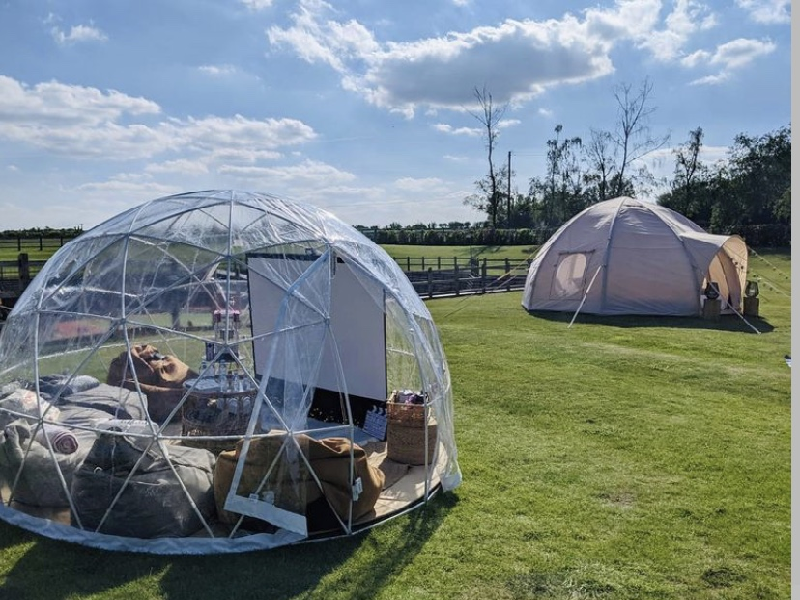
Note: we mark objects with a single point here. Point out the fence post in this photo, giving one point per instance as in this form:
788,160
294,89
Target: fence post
19,243
408,264
23,271
423,263
438,263
430,282
455,276
483,276
508,276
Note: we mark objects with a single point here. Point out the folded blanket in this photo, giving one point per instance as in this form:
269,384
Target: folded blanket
61,438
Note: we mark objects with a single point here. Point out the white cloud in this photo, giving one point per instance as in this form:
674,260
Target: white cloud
728,57
82,122
711,79
506,123
53,102
182,166
628,19
516,59
741,52
329,42
419,184
77,34
767,12
217,70
687,18
257,5
243,154
695,59
212,133
308,173
449,129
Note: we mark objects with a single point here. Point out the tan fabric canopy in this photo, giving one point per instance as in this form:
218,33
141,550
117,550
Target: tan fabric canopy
625,256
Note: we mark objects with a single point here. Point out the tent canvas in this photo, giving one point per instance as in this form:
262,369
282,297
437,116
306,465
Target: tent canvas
628,257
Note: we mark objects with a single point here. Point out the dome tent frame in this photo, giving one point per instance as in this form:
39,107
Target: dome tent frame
306,382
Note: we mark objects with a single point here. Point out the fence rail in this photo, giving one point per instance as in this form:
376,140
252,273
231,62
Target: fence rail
41,243
464,276
15,275
430,277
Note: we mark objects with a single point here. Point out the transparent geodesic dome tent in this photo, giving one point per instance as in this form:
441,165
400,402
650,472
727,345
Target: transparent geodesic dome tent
218,372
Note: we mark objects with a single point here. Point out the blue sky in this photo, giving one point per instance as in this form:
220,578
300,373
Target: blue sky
363,108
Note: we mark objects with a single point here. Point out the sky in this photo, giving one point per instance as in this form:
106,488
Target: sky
366,109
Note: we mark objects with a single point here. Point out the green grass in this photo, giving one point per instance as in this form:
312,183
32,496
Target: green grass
620,458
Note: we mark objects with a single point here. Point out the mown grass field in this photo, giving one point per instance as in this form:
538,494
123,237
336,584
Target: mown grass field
620,458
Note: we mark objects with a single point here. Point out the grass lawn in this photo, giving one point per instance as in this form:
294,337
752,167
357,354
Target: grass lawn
620,458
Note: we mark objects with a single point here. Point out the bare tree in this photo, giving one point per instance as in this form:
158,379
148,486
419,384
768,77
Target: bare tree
632,135
489,117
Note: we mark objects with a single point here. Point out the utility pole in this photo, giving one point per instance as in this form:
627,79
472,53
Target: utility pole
508,200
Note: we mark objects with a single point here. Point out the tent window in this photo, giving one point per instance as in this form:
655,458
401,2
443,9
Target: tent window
569,278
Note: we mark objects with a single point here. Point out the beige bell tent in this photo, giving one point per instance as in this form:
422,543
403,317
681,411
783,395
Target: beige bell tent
628,257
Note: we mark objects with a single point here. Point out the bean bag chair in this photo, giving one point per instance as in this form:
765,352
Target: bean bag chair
152,502
160,377
296,490
38,483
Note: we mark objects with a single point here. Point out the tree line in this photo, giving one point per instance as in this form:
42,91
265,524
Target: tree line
42,232
748,193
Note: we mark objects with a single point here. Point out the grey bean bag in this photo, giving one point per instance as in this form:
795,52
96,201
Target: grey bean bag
151,501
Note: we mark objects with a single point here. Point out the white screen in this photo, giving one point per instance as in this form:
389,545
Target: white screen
357,325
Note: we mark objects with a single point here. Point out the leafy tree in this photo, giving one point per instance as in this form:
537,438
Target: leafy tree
689,189
753,188
560,192
601,171
760,171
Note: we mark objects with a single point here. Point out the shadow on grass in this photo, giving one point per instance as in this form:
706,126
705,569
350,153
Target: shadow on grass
725,322
57,570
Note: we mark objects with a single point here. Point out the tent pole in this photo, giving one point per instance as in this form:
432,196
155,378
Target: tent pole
736,312
741,316
585,294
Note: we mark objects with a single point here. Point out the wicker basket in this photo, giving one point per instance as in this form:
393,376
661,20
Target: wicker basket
405,433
